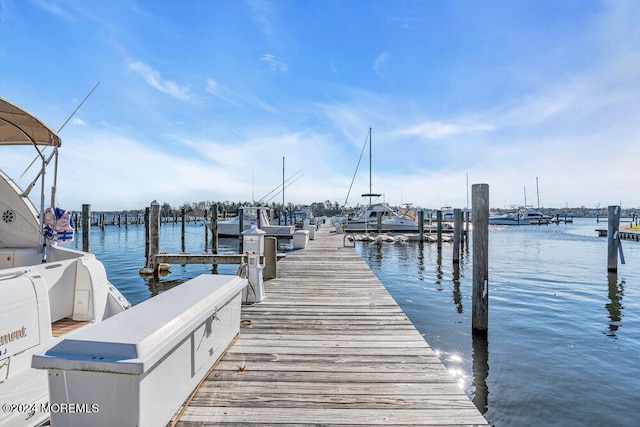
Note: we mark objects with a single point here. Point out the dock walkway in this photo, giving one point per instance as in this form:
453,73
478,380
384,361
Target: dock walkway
328,346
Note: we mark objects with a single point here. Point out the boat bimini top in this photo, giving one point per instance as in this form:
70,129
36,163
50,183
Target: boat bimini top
19,127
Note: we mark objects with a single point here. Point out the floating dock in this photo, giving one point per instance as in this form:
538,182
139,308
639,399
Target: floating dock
328,346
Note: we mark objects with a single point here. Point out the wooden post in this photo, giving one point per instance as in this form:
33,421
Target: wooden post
270,257
183,220
480,293
379,221
457,234
466,226
241,226
154,234
421,224
214,229
147,242
613,239
206,230
86,228
439,227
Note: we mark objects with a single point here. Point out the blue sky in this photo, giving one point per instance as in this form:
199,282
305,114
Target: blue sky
201,100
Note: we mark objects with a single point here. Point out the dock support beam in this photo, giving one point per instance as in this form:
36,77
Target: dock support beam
457,234
613,238
86,228
270,257
421,224
439,220
480,294
154,234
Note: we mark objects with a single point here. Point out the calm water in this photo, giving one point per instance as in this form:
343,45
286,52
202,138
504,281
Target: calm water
563,347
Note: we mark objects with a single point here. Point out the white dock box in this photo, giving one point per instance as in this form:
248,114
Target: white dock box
300,239
138,367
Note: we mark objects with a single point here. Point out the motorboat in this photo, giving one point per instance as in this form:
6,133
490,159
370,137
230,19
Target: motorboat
253,216
533,216
390,220
47,291
512,218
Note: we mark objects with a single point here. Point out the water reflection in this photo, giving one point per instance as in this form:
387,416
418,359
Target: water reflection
614,307
480,345
421,261
439,272
157,287
457,295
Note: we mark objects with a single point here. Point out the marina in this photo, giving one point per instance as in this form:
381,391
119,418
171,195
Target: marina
554,310
328,346
277,213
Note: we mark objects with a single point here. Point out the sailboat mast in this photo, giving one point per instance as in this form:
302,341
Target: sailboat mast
370,189
538,193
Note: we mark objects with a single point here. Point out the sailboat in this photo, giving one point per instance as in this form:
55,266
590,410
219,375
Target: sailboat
46,291
378,216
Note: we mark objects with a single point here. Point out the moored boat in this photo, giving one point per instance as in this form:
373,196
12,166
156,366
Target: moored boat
46,291
390,221
253,217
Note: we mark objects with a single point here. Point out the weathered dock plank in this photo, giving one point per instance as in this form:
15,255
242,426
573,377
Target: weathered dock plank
328,346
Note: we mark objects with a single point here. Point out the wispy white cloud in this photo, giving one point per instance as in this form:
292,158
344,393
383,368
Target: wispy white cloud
54,8
439,130
262,12
380,63
155,80
274,64
220,91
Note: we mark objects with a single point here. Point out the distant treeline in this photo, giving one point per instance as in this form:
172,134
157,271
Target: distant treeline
329,208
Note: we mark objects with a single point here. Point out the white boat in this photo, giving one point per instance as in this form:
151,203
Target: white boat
231,227
533,216
390,221
46,291
508,219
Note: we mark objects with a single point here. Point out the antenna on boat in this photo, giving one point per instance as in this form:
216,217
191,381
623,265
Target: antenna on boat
54,153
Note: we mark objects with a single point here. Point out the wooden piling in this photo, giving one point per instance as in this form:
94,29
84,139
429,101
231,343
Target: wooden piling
270,257
457,234
480,293
439,228
154,234
183,224
379,222
214,229
147,241
86,228
421,224
206,230
613,239
241,227
466,226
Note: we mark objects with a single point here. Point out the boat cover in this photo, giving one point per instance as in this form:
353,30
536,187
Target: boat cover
19,127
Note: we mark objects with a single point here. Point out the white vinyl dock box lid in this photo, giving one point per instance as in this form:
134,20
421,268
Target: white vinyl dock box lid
300,239
138,367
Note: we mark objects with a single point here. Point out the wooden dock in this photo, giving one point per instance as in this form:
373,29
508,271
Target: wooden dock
328,346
